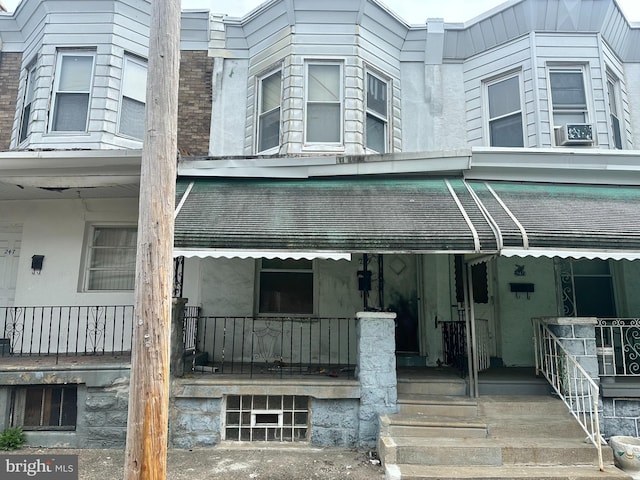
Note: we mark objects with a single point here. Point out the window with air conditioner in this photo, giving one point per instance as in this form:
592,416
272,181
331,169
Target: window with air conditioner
27,109
570,110
269,108
377,119
324,101
504,106
133,97
286,286
72,91
110,258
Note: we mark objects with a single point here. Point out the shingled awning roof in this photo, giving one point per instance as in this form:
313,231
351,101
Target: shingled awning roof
313,218
543,219
261,216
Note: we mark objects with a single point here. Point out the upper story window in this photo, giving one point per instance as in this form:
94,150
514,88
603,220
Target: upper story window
134,93
613,96
377,122
111,258
568,96
286,286
323,103
71,91
30,89
505,112
269,100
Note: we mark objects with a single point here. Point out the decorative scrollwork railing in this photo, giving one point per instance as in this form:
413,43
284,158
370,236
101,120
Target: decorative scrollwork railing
618,341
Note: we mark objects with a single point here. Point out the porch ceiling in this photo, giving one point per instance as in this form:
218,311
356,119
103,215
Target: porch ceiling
338,215
544,219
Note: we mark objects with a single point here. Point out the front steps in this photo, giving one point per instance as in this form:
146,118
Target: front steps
497,437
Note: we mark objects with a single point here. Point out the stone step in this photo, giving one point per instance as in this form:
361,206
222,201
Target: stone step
530,472
437,405
432,386
519,427
417,425
489,451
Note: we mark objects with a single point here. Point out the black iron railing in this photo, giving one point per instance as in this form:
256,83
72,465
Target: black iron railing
281,346
65,330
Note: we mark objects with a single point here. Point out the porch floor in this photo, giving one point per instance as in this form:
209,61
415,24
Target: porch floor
105,361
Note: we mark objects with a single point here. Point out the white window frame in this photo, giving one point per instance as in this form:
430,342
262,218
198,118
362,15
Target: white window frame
340,102
26,117
614,106
88,257
383,117
310,271
139,97
489,120
61,55
260,114
554,111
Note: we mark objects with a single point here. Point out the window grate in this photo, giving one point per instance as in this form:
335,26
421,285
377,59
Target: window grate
266,418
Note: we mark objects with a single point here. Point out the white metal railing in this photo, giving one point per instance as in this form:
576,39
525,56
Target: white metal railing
572,383
618,341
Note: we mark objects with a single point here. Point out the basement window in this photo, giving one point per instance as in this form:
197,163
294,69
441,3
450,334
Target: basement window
266,418
45,407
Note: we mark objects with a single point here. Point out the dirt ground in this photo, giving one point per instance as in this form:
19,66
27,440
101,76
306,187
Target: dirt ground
235,463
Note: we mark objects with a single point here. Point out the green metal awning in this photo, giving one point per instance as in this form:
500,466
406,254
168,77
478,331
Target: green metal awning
258,217
543,219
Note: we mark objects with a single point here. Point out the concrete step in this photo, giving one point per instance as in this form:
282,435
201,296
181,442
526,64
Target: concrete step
437,405
434,386
418,425
519,427
529,472
473,451
504,406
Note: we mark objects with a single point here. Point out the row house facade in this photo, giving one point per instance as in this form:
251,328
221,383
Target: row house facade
357,198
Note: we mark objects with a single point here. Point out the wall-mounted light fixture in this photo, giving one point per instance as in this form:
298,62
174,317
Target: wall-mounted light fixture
36,264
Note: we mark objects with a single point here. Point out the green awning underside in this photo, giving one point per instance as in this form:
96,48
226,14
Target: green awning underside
433,215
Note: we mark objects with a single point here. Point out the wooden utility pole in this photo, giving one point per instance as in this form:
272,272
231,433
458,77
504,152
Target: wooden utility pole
147,427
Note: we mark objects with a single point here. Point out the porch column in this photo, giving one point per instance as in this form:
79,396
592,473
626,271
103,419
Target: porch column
376,371
176,356
578,336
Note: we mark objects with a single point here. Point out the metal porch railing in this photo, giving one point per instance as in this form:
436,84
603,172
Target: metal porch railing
572,383
271,345
454,344
65,330
618,351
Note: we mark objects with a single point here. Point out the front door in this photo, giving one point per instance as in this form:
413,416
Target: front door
9,255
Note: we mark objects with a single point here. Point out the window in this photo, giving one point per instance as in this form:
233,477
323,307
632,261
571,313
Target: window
45,407
324,103
269,98
71,91
377,121
613,92
30,89
505,112
568,96
134,93
111,259
286,286
587,288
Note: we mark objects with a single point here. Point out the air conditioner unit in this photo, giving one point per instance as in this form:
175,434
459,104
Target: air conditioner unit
574,134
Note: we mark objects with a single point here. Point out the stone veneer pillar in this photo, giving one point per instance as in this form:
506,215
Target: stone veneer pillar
578,336
376,371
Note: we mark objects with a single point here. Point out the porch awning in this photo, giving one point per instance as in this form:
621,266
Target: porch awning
537,219
328,217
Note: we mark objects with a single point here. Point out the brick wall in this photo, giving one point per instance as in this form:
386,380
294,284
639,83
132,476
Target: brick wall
194,103
9,80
